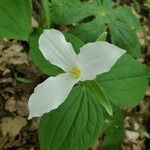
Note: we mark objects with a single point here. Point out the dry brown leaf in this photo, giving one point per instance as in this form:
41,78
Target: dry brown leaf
10,105
15,47
34,124
137,147
12,55
22,108
3,44
12,126
132,135
6,80
96,145
35,24
148,92
6,71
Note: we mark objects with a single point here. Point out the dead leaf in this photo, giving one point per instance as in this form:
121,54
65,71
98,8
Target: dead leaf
22,108
6,80
35,24
12,54
132,135
12,126
10,105
137,147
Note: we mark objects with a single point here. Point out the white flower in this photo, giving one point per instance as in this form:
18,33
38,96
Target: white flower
93,59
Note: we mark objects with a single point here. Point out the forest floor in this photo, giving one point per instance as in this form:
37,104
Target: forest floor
19,133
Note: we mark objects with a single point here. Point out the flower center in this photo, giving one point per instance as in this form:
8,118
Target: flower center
75,72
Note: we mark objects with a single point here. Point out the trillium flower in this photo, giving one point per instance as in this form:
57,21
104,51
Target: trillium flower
93,59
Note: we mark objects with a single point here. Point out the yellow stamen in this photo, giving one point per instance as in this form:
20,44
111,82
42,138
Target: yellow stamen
75,72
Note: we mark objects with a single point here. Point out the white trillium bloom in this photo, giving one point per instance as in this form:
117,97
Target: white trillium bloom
93,59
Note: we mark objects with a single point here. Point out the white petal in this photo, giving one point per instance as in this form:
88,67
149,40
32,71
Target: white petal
96,58
50,94
57,50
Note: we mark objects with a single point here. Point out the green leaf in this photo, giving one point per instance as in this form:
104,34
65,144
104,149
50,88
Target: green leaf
126,15
24,80
37,57
114,130
102,37
15,19
145,134
125,84
74,125
46,11
95,90
129,41
76,42
89,32
69,11
118,19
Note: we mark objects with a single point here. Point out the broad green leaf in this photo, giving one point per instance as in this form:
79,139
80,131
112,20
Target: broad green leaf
15,19
129,41
116,18
69,11
126,15
46,8
89,32
74,125
37,57
114,130
95,90
76,42
103,36
125,84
